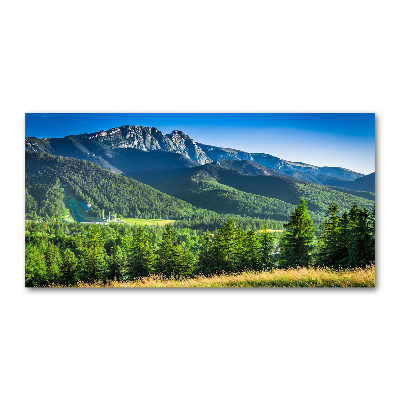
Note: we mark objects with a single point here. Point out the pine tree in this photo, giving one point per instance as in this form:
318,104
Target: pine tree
92,256
206,264
361,246
53,263
115,262
228,246
267,245
372,231
35,266
142,256
170,261
332,242
297,243
252,255
68,268
31,207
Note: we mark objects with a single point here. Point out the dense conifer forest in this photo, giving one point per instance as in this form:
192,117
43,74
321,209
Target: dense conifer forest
60,253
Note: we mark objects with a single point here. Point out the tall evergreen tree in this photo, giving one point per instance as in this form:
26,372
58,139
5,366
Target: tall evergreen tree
372,231
31,207
332,241
53,263
116,261
35,266
206,264
252,255
228,246
68,267
142,256
297,243
267,245
170,261
361,246
92,256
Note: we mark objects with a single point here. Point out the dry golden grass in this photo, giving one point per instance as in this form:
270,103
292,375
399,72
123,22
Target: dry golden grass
302,277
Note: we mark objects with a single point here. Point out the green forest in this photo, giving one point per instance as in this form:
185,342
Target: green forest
59,253
227,190
118,194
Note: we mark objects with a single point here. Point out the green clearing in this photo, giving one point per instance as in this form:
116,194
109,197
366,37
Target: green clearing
78,213
142,221
75,211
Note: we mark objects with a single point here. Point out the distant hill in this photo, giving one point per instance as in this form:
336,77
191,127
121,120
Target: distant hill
108,149
365,183
298,170
222,187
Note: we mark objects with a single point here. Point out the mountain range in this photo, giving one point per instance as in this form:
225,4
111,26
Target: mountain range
110,149
219,179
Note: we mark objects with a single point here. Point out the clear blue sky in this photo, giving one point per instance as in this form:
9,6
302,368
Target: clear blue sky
336,140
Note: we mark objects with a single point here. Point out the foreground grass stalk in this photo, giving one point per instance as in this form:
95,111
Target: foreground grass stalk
301,277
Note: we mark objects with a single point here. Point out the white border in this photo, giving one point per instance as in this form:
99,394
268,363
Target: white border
209,57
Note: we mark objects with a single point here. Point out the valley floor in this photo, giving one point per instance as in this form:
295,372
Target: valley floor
302,277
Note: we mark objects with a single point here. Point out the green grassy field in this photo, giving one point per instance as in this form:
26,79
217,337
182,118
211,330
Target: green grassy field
302,277
140,221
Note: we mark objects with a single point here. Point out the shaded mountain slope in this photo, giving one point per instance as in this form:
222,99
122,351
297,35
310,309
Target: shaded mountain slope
221,188
365,183
102,188
103,148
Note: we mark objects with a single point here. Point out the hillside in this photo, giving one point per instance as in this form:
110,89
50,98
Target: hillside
365,183
118,194
103,189
219,188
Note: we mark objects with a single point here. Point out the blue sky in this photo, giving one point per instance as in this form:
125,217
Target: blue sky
337,140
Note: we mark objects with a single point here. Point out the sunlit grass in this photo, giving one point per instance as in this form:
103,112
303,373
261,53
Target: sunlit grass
142,221
302,277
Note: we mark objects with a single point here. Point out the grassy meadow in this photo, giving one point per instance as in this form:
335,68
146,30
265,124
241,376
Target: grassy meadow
141,221
301,277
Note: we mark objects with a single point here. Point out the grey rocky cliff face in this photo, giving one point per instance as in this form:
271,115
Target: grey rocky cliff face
148,139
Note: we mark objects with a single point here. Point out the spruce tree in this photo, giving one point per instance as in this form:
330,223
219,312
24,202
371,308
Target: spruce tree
206,264
141,257
252,254
372,232
361,246
228,246
267,245
68,267
115,262
35,266
297,243
92,256
332,243
170,261
53,263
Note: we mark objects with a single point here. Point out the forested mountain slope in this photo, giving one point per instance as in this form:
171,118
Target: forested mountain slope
218,187
102,188
119,194
365,183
